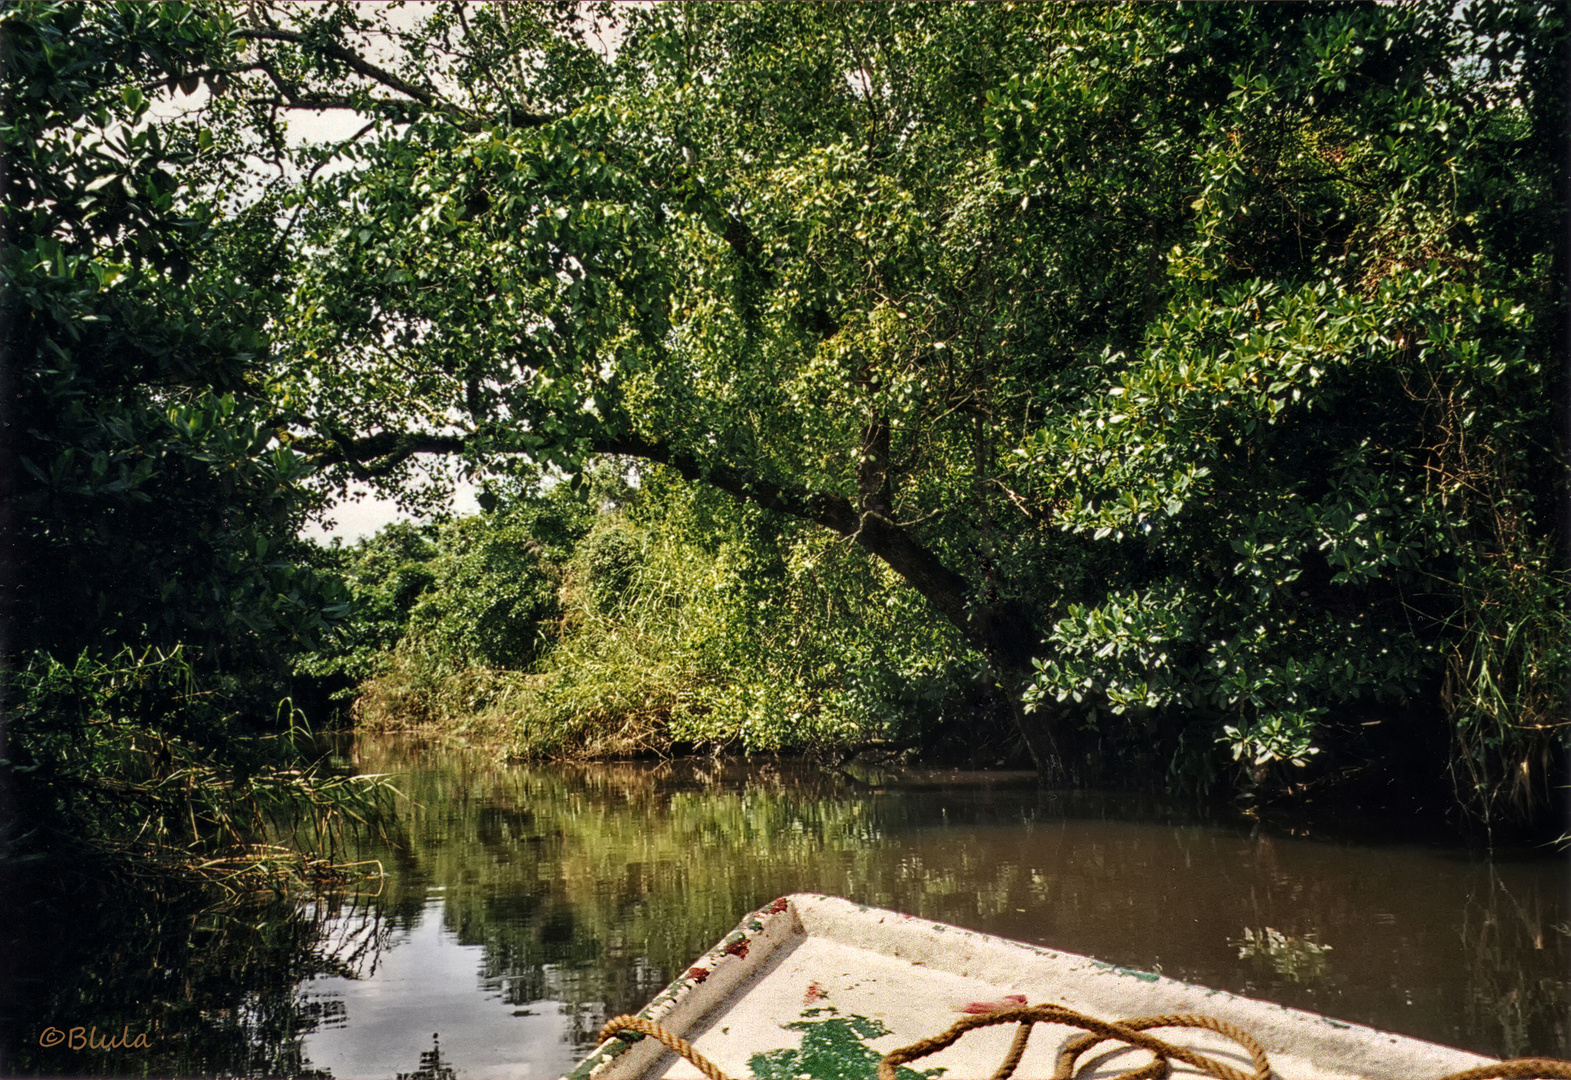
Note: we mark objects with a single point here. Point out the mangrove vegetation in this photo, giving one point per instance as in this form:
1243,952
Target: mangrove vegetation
1163,396
1147,394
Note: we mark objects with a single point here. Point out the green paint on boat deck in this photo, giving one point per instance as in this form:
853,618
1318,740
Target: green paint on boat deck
832,1049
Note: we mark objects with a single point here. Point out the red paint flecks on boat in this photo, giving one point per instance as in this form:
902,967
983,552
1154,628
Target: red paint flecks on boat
1008,1001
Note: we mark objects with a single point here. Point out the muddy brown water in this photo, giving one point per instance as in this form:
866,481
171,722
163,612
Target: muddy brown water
521,907
533,903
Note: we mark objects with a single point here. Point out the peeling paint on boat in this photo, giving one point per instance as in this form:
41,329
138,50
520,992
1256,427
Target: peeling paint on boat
825,987
1133,973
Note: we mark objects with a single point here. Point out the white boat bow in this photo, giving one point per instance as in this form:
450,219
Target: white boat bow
815,986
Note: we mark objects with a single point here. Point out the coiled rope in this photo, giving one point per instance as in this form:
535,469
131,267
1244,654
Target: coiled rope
1131,1032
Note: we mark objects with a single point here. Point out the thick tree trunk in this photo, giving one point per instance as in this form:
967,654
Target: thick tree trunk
1003,632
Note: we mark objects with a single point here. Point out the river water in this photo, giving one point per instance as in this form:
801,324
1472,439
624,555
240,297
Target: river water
533,903
518,908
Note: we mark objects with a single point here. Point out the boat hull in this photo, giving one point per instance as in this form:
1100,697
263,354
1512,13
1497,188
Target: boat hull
815,985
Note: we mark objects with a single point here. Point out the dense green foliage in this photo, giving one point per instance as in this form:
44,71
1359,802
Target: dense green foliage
1198,366
385,580
152,501
1330,463
685,620
159,584
1139,390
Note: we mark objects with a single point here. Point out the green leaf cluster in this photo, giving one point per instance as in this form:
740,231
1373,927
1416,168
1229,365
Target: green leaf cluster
153,498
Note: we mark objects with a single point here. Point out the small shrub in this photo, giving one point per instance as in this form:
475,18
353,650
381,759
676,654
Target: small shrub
611,557
493,599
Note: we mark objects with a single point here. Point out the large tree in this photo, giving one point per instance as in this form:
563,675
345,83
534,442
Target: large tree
1095,323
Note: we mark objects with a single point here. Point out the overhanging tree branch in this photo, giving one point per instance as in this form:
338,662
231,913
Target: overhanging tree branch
1000,631
361,66
372,456
377,455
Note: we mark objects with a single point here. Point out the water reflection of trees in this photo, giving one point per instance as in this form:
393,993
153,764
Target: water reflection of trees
1518,984
592,886
214,988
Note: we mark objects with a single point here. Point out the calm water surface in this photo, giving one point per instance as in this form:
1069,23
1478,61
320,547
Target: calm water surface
529,904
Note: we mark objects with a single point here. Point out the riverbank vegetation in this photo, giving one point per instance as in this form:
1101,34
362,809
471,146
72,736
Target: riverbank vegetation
1144,393
160,794
155,590
682,621
1137,392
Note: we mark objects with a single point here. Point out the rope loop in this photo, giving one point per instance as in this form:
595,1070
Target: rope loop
669,1038
1127,1031
1131,1032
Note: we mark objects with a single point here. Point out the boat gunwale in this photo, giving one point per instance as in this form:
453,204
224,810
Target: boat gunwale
745,954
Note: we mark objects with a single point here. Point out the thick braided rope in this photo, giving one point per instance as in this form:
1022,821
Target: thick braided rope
1057,1014
1077,1046
1129,1031
1157,1068
669,1038
1017,1050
